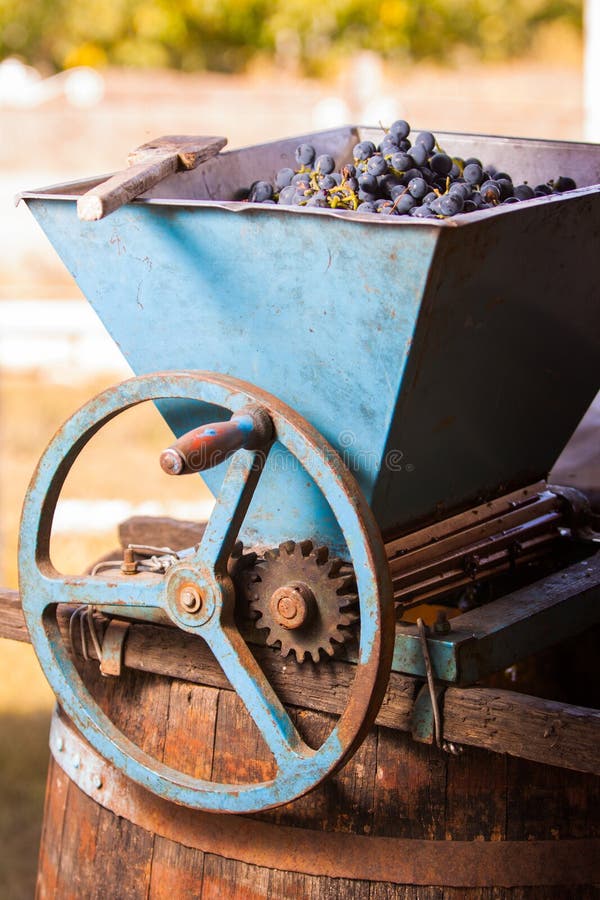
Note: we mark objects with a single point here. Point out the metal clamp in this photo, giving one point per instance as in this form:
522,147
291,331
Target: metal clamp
113,647
427,719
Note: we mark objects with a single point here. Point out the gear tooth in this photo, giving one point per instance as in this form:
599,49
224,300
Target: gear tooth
321,555
306,547
287,547
315,654
329,648
346,584
349,618
335,564
344,635
271,555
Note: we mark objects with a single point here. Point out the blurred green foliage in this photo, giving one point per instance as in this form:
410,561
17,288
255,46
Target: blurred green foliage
225,35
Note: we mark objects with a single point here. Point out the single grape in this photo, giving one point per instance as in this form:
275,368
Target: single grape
327,182
455,171
367,206
451,204
510,199
404,204
461,189
324,164
506,187
368,182
364,150
502,176
284,178
401,161
473,161
388,146
422,212
418,187
287,194
427,139
348,171
260,191
377,165
564,183
305,154
543,189
524,192
419,154
399,130
301,178
490,191
441,163
473,173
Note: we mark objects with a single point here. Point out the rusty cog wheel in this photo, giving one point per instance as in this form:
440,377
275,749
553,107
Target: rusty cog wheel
305,599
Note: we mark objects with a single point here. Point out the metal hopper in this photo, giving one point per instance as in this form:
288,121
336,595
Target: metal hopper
447,361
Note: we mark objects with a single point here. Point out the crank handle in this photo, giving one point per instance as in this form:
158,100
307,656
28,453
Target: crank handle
207,446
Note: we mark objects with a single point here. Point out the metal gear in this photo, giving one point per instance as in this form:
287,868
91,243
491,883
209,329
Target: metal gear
305,599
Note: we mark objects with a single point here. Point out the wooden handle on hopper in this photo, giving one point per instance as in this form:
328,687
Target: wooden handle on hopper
148,165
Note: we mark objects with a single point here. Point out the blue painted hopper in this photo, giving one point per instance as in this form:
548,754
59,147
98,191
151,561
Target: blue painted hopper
448,361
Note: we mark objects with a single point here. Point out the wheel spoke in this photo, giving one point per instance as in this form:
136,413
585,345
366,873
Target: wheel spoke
123,592
257,695
230,508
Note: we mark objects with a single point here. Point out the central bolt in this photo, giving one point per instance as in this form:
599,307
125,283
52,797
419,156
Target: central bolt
292,605
288,607
190,598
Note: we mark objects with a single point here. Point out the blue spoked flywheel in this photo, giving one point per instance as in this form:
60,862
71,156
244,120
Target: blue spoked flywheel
203,575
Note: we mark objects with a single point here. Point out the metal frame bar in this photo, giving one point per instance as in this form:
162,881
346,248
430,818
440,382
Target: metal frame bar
495,636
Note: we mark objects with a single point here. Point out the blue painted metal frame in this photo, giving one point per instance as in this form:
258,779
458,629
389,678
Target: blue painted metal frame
42,587
495,636
424,352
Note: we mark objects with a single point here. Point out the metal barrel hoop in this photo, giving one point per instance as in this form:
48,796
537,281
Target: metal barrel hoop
299,768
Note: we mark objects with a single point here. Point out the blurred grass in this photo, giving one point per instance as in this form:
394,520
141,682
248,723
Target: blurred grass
121,462
25,705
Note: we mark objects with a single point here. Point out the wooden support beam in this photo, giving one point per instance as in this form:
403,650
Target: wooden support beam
502,721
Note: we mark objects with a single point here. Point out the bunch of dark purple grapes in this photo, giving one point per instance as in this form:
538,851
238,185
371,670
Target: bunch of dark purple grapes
397,178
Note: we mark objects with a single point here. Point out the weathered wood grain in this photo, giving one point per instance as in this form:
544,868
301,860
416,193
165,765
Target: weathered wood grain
12,622
150,164
541,730
559,734
188,747
160,531
57,789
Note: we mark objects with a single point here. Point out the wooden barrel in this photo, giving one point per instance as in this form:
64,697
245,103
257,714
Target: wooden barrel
401,820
